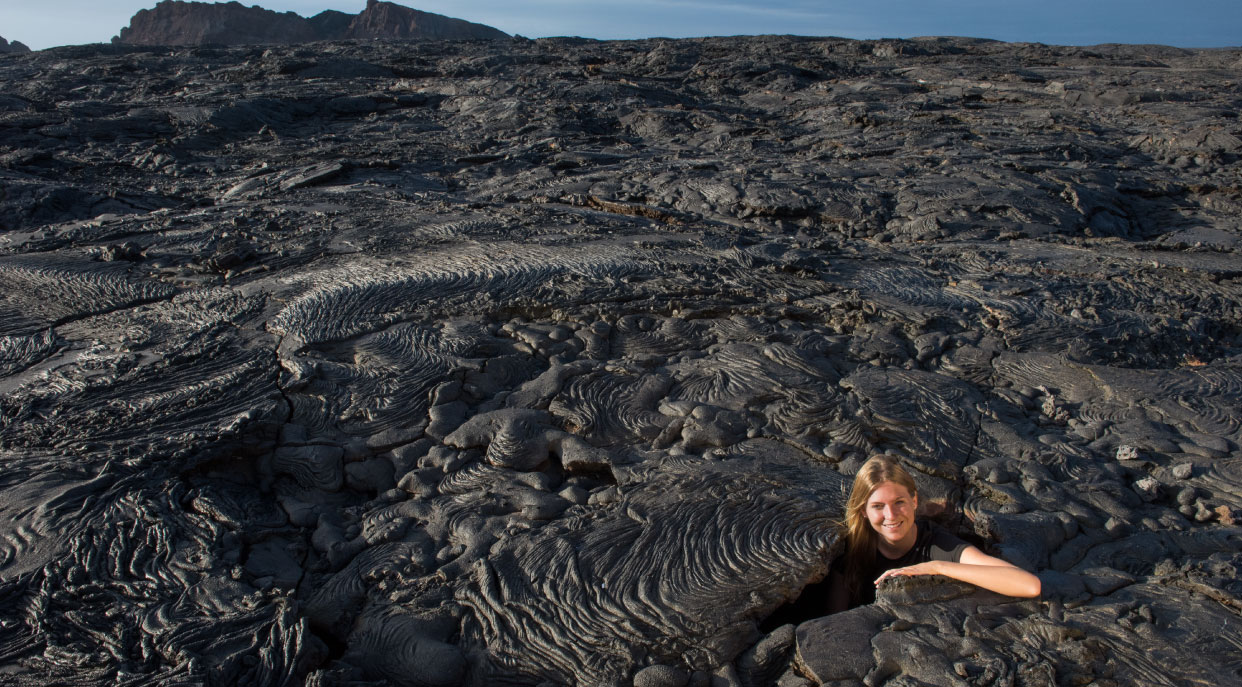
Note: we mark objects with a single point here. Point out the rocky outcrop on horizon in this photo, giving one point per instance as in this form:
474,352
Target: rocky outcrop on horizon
14,47
173,22
547,362
390,20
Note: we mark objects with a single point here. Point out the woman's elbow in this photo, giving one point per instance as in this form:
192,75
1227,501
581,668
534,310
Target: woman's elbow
1031,587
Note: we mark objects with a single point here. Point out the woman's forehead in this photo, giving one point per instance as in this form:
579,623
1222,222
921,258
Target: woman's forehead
888,491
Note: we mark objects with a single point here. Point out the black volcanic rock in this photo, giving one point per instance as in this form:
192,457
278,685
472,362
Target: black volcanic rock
14,47
390,20
547,362
173,22
331,23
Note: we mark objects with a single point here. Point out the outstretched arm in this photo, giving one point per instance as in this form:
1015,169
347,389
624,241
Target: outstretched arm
979,569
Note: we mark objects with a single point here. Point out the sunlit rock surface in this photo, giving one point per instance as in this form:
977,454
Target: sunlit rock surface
549,362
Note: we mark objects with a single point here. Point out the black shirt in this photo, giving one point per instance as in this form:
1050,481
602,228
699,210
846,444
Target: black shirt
933,543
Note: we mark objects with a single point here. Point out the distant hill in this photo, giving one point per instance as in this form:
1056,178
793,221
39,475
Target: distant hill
15,46
173,22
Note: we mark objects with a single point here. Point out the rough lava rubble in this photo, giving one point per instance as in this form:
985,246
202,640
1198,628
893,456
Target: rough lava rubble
547,362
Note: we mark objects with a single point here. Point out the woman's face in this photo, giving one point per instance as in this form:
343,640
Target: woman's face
890,510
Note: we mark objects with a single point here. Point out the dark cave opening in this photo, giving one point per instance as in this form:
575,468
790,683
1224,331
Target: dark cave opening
811,603
336,647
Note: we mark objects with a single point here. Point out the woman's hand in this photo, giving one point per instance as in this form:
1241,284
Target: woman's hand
926,568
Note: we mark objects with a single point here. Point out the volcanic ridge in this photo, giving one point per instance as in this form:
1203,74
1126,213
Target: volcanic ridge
173,22
14,47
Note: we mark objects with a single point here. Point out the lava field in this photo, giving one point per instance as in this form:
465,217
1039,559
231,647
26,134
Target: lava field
549,362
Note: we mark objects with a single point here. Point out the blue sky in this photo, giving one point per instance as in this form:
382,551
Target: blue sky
1187,23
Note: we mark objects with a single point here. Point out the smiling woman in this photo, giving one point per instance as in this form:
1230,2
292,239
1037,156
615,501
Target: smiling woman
885,539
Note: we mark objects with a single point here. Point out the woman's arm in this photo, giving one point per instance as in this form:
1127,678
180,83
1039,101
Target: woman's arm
977,568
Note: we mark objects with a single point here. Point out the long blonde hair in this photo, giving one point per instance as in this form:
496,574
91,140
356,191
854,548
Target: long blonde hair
860,539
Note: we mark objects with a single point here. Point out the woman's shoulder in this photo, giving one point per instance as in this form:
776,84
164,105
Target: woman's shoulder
938,543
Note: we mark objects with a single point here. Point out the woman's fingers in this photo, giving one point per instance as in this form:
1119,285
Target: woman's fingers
927,568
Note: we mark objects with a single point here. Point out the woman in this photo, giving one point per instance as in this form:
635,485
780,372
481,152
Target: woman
884,539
